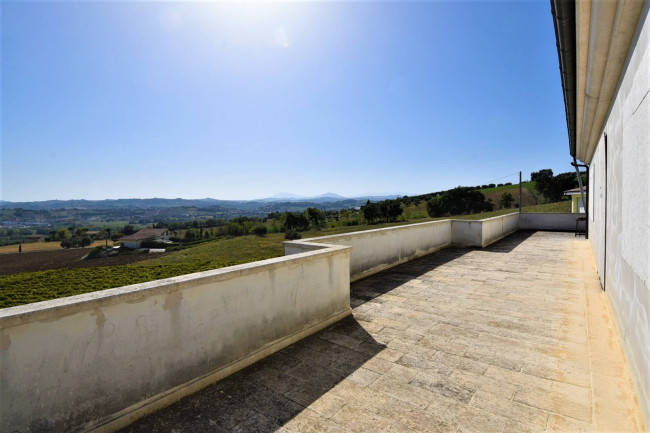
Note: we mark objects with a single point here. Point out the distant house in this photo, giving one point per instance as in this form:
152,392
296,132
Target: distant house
576,200
35,238
135,240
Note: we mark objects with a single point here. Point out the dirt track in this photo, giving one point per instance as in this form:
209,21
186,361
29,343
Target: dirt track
44,260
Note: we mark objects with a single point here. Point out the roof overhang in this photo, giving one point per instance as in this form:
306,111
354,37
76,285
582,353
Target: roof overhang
593,40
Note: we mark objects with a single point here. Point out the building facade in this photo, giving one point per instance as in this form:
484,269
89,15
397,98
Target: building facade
604,51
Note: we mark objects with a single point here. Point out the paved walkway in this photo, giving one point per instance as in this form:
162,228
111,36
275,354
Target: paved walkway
517,337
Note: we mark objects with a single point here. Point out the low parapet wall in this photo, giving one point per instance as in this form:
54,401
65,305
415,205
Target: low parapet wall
376,250
379,249
104,359
561,222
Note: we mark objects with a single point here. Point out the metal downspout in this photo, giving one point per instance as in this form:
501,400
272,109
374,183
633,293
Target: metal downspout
585,203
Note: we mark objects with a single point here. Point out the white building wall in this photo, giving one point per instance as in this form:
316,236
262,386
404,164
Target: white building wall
620,213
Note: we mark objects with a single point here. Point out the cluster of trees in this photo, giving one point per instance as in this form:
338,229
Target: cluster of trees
506,201
388,210
274,222
72,237
458,201
553,187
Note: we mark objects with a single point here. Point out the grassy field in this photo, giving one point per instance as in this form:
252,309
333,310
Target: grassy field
225,252
19,289
563,206
29,287
43,246
529,195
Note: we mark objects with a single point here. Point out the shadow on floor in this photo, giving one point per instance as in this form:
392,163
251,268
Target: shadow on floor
264,396
510,242
384,282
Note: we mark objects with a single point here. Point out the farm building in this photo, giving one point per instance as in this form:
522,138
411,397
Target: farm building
154,235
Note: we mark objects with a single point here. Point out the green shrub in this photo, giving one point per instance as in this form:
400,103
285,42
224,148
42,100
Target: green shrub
260,230
96,252
292,234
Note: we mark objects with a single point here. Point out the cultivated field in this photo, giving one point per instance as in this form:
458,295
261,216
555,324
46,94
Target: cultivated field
44,246
61,259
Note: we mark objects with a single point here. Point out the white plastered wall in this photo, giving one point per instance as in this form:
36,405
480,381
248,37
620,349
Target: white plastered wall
620,209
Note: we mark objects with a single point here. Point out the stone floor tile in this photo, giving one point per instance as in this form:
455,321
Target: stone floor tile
515,427
494,357
417,419
479,421
371,327
274,379
363,376
327,405
279,361
417,396
484,383
445,408
561,373
378,365
310,422
257,423
460,362
277,408
359,420
441,385
308,392
341,339
555,402
425,364
361,396
510,409
518,378
390,354
402,373
441,344
314,375
563,424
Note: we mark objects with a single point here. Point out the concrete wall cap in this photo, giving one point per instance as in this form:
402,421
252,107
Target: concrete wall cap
45,310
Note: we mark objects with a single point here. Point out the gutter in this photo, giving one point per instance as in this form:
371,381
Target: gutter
564,20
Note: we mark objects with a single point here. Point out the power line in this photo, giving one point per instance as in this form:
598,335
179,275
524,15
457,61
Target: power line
503,177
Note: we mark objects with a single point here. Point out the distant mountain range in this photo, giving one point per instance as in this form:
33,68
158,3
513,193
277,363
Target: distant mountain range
323,198
332,200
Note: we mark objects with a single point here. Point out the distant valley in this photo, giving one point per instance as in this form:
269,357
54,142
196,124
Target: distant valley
144,211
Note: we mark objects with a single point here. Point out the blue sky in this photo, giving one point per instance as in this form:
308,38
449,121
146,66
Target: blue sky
241,101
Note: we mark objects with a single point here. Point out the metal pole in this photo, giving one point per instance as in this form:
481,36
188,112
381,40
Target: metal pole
584,195
520,192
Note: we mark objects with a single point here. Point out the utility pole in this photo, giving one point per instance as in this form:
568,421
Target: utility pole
108,234
520,192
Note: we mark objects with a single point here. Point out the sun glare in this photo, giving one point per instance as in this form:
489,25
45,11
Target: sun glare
282,38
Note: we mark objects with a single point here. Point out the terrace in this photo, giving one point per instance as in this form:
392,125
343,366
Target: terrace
451,325
515,337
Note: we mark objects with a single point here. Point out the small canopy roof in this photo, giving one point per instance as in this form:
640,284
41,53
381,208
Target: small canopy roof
573,191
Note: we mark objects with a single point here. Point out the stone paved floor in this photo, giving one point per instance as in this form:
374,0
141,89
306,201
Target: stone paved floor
516,337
